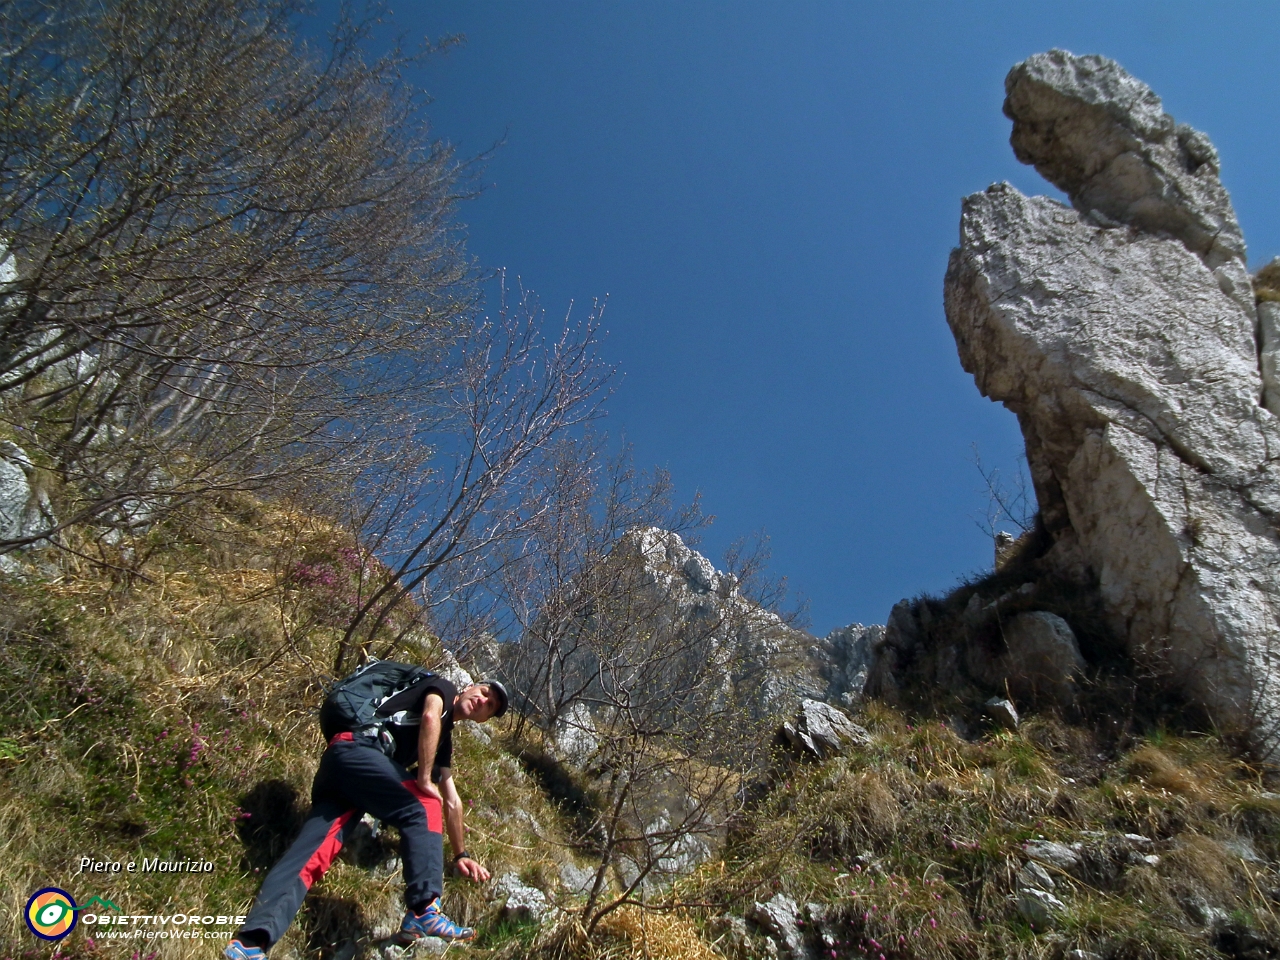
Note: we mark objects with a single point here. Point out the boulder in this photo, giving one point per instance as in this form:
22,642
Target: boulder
521,902
780,918
820,730
1034,876
1054,854
1040,908
1122,335
1043,658
1003,712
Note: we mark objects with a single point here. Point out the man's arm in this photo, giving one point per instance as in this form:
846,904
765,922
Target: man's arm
428,740
467,866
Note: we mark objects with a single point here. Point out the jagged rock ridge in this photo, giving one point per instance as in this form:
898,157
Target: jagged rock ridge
1123,334
771,666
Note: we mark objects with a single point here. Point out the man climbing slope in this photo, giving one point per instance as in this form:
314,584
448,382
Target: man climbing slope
380,721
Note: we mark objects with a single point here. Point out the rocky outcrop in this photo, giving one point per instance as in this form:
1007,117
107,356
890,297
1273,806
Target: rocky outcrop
691,615
1043,658
820,731
1122,331
574,737
845,660
777,664
521,903
1102,137
779,917
25,510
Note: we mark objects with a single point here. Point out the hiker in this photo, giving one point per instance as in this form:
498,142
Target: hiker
397,715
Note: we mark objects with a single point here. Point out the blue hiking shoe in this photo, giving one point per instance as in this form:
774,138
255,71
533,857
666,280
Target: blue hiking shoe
432,923
238,951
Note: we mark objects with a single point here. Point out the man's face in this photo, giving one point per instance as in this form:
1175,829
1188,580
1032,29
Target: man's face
478,702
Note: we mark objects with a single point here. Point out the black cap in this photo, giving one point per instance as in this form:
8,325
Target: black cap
497,687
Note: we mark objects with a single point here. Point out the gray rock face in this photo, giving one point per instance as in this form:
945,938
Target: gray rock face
778,917
849,653
24,511
1103,138
1054,854
574,736
820,730
677,855
678,593
1204,913
1034,876
15,497
523,903
1040,908
1124,340
453,671
777,664
1043,658
577,880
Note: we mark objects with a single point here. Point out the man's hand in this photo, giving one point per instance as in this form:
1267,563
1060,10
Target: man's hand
471,870
429,788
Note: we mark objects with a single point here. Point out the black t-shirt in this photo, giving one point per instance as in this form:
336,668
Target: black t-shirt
405,709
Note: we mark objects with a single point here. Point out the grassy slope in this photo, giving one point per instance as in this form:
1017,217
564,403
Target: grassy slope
170,714
145,716
914,844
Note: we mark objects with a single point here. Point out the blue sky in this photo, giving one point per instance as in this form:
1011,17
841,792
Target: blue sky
767,193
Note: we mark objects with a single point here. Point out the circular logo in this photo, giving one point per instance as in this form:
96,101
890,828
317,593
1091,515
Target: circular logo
51,913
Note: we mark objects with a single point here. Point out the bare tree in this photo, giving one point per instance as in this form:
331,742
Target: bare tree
446,526
541,587
230,255
614,629
678,732
1015,503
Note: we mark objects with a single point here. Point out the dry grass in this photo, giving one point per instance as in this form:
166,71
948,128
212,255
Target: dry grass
628,933
145,704
914,845
145,707
1266,283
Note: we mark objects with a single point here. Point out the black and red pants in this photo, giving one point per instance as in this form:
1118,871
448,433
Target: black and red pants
354,778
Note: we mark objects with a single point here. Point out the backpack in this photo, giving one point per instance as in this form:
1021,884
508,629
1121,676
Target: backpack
353,704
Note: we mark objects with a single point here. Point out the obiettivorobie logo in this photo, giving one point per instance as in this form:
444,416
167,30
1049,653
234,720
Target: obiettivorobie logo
51,913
